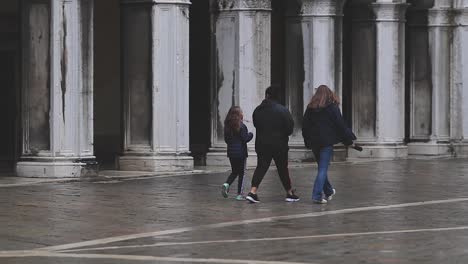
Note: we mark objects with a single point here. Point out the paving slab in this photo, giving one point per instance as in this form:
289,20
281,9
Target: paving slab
403,211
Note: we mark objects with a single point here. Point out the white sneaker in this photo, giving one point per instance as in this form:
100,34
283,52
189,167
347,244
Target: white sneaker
225,190
323,201
328,198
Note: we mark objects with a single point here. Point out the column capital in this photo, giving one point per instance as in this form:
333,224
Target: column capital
438,17
325,8
240,5
158,2
389,12
460,16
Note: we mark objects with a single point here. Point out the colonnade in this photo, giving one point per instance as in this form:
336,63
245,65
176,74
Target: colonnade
401,67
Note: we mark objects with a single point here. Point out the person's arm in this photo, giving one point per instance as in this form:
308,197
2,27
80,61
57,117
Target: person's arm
306,128
254,117
346,134
227,135
289,122
244,134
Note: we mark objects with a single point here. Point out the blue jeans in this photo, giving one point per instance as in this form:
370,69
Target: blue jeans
323,155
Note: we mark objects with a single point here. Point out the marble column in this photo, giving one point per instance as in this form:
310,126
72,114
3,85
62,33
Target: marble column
313,57
155,63
430,95
57,89
459,114
389,84
241,38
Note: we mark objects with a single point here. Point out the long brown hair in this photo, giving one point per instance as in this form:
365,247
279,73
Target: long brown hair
233,120
323,97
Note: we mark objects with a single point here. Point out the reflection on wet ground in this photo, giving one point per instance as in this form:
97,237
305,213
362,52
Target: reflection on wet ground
406,211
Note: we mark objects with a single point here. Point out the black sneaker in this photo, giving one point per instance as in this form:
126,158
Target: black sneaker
292,197
252,198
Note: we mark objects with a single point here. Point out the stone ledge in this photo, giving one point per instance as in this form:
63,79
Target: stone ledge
219,158
430,149
380,151
155,163
55,169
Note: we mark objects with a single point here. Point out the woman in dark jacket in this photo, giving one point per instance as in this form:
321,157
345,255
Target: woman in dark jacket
236,136
322,127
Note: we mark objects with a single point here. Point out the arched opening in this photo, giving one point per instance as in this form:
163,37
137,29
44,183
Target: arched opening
199,80
278,48
107,88
9,83
359,76
418,92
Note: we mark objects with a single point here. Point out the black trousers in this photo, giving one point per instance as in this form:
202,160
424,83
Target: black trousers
238,169
263,163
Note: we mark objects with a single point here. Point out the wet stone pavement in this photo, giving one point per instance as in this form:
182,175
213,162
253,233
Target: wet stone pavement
405,211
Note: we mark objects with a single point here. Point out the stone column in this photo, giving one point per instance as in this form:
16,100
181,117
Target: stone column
390,83
241,37
313,57
155,84
430,96
57,89
459,114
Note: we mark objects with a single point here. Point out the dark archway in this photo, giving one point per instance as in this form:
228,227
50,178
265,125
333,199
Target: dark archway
9,83
278,47
200,58
107,90
359,76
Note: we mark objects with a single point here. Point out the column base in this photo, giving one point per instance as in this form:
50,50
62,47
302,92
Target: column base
218,157
430,149
460,149
379,151
298,153
301,154
63,168
162,163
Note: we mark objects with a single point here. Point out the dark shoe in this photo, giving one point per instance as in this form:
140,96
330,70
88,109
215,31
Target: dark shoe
292,197
252,198
329,197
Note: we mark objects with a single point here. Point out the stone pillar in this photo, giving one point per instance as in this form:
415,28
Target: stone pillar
389,84
313,57
460,82
241,37
57,89
155,83
430,95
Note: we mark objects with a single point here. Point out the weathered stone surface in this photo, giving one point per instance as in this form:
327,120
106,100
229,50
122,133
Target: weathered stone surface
157,109
388,211
241,66
57,104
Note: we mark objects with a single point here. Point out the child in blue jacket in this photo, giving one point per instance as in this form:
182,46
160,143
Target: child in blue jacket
236,136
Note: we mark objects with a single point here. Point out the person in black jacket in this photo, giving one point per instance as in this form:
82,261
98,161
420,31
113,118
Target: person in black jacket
273,124
236,136
322,127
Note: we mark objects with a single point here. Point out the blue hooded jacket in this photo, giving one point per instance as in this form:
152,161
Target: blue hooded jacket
237,141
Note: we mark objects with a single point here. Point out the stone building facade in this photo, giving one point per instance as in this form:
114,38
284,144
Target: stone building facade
146,84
